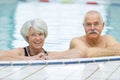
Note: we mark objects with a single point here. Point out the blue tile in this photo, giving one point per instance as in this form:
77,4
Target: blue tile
41,63
87,61
52,63
71,62
114,59
101,60
19,64
5,64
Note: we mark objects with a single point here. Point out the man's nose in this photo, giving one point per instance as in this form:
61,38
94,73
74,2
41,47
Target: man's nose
92,26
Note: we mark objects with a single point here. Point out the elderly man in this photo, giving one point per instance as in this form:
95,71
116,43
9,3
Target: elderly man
93,44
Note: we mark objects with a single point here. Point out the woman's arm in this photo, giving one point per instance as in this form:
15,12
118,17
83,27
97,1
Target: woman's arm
16,55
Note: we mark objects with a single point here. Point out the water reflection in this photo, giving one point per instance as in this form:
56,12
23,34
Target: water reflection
114,20
7,23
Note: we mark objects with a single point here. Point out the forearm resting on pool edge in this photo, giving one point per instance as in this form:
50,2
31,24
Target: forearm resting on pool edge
101,52
71,53
4,56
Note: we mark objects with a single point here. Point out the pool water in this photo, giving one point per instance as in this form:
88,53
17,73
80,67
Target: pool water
7,24
114,20
64,21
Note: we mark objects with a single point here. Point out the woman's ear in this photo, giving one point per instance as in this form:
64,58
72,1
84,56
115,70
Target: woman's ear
27,39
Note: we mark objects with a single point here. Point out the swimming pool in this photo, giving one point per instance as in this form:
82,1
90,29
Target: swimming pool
64,21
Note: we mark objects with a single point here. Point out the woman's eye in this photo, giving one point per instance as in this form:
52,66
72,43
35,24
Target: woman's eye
40,34
33,34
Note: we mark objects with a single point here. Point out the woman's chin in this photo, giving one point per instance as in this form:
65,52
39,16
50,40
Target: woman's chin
37,47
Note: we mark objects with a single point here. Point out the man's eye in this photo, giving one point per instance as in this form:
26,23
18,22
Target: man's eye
96,24
88,24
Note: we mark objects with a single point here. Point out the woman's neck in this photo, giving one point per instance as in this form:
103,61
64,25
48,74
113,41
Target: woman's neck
33,51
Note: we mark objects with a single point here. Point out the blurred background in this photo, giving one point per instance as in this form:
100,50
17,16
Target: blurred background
63,17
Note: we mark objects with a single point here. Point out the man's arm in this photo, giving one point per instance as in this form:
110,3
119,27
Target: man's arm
112,48
101,52
78,44
90,52
69,54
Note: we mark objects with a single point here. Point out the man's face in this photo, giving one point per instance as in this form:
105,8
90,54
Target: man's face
93,25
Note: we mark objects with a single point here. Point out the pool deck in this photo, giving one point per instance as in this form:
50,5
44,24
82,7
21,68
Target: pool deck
105,68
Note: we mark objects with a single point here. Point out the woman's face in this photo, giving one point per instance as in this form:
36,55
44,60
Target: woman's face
36,39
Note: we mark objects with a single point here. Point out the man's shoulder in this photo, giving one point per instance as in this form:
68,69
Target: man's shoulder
107,36
78,38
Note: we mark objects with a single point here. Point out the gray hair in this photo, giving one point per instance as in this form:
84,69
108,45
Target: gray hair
37,24
93,12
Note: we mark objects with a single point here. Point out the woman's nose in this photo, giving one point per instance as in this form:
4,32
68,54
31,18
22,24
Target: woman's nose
37,37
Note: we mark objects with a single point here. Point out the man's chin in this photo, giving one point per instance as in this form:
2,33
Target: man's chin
93,36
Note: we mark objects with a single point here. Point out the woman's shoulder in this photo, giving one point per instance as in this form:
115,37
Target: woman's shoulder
18,51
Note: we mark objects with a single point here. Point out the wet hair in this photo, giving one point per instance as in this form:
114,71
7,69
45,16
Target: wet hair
38,24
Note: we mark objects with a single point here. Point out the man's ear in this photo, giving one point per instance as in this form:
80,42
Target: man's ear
103,24
83,25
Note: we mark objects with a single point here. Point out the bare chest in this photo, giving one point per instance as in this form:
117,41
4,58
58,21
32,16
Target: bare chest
100,44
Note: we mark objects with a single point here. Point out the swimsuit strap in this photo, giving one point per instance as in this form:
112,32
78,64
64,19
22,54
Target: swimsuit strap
45,52
27,53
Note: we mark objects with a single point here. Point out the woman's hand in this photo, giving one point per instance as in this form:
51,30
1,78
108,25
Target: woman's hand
40,56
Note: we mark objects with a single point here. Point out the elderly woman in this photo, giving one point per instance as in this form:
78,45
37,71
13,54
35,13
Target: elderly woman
34,32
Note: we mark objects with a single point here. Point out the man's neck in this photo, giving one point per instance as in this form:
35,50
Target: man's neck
93,42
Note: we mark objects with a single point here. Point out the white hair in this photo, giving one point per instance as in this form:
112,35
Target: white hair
37,24
93,12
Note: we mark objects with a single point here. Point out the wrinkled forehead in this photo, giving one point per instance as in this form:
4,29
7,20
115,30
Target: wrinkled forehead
92,17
